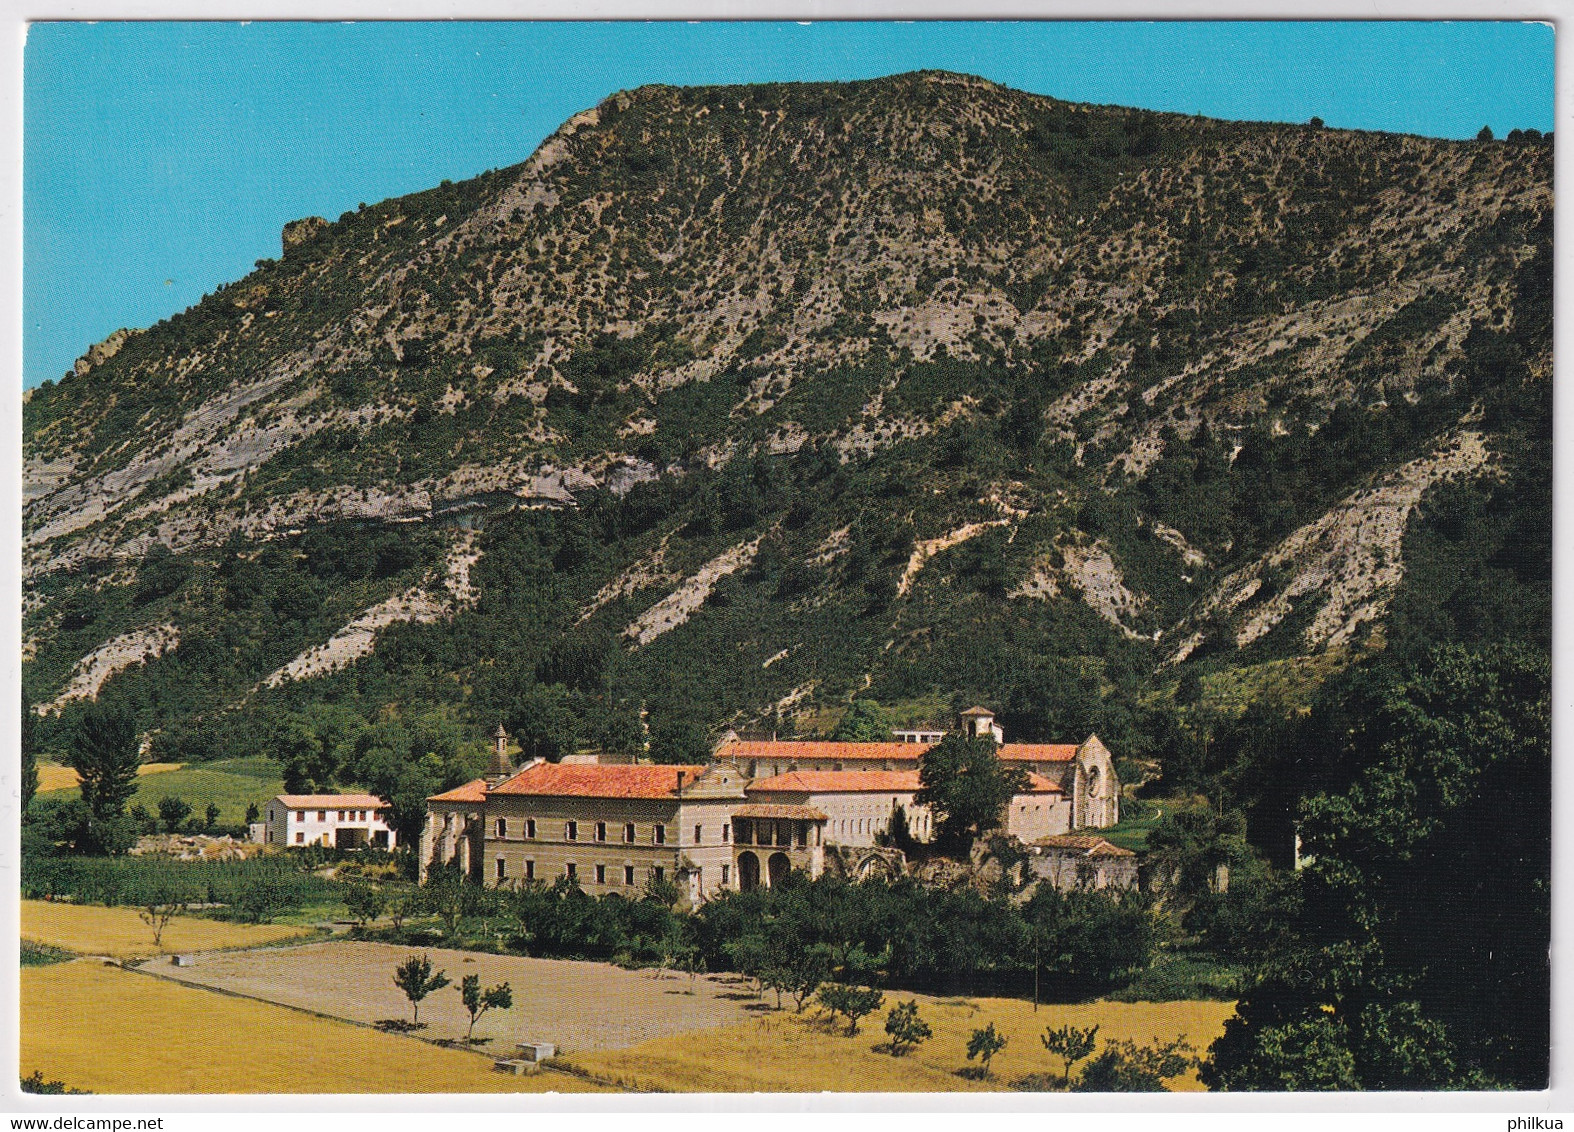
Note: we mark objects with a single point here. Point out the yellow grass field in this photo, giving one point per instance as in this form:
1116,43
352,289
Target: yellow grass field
52,776
782,1052
108,1030
121,934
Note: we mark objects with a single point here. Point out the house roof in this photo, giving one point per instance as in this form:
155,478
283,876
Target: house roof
594,780
786,750
780,813
974,712
838,782
470,792
331,801
1038,784
1038,752
865,781
1086,844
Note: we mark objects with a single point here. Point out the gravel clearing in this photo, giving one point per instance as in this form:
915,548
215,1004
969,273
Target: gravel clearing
577,1006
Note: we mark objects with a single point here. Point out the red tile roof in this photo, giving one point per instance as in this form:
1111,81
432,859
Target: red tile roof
837,782
871,781
1038,752
787,750
1038,784
781,813
593,780
469,792
332,801
1086,844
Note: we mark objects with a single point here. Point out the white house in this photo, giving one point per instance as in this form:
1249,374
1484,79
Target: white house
342,821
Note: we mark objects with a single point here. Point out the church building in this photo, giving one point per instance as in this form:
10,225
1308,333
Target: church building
758,811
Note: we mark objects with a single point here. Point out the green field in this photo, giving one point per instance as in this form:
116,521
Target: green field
231,784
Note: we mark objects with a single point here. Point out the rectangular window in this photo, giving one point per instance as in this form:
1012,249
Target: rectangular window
601,874
726,832
300,838
628,874
341,815
628,832
530,870
571,831
502,869
697,837
661,874
601,831
571,871
322,815
726,875
661,834
267,837
530,827
502,827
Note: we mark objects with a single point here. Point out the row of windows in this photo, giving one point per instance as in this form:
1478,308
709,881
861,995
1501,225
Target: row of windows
571,871
322,815
658,833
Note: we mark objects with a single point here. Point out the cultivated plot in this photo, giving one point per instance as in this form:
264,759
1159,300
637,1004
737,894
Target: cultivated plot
121,933
785,1052
108,1030
576,1006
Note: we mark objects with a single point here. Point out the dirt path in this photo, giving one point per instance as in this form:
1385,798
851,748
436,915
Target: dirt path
577,1006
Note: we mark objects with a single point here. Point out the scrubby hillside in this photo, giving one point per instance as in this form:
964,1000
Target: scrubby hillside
732,402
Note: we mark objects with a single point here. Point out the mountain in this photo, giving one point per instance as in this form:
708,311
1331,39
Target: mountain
731,403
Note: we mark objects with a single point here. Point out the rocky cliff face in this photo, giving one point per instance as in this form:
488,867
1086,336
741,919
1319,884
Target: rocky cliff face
1190,376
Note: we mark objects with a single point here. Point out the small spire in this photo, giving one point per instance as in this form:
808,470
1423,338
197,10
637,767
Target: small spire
501,765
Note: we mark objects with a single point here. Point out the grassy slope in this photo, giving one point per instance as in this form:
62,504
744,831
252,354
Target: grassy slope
53,777
121,934
112,1031
787,1053
232,784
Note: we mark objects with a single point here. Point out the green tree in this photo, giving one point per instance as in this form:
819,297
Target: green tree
210,816
160,904
417,979
905,1028
966,785
1192,844
172,810
1071,1045
105,755
253,814
1125,1067
262,898
865,722
1370,987
851,1002
365,902
29,753
984,1044
443,895
478,1002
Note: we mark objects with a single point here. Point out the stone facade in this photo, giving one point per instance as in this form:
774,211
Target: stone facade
750,817
1072,862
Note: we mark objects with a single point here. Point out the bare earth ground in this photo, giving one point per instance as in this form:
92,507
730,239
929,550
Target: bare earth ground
576,1006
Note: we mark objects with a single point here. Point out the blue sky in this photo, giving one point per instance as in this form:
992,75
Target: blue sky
161,160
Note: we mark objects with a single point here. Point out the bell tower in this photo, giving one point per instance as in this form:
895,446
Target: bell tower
501,766
979,723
